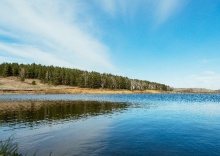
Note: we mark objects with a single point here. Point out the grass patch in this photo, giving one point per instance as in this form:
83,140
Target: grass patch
8,148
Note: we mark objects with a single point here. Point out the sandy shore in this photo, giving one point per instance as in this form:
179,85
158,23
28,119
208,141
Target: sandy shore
13,85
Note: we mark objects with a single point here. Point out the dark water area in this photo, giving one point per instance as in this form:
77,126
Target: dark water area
142,124
34,114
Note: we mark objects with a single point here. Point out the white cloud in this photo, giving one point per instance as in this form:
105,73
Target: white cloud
66,31
207,79
209,72
205,61
166,8
110,7
56,32
160,9
36,55
120,7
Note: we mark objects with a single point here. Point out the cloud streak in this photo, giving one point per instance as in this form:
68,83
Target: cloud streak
66,33
114,8
160,9
166,8
207,79
52,33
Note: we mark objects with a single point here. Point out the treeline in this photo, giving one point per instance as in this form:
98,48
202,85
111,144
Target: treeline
74,77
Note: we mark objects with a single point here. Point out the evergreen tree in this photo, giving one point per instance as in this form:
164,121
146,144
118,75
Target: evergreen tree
76,77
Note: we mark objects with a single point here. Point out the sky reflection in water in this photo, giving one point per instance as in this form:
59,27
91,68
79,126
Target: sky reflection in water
125,124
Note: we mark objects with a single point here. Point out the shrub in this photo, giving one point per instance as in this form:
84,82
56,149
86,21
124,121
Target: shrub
33,82
22,79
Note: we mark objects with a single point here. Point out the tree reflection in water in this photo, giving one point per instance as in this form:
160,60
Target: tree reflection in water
31,114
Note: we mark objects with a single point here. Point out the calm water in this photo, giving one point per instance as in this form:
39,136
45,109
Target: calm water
112,124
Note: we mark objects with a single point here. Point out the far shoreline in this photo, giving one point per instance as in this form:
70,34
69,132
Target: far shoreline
13,85
78,91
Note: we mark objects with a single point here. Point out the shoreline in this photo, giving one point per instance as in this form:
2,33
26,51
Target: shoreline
13,85
78,91
92,91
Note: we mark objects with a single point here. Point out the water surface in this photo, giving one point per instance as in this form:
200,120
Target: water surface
112,124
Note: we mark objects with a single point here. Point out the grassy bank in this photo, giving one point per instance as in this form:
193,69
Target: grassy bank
13,85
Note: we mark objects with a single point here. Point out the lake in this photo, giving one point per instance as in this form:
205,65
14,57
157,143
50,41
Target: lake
142,124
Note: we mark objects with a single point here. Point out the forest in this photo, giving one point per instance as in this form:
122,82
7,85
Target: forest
55,75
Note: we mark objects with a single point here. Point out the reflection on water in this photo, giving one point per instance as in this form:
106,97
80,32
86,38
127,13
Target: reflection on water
125,125
31,114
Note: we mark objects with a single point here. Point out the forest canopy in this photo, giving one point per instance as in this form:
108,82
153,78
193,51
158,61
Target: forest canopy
74,77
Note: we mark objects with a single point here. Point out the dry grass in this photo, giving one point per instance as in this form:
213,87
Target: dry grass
107,91
13,106
13,85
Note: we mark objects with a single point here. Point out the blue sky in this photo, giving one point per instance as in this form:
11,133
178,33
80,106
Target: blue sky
176,42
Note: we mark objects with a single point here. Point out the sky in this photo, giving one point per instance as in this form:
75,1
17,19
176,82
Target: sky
175,42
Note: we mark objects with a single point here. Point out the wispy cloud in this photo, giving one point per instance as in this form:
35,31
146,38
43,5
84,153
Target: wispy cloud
205,61
28,54
209,72
52,32
114,8
166,8
160,10
207,79
65,32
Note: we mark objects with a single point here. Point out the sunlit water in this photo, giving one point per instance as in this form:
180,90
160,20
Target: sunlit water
112,124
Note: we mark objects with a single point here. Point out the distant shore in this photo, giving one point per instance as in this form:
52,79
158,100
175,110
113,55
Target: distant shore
78,91
13,85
